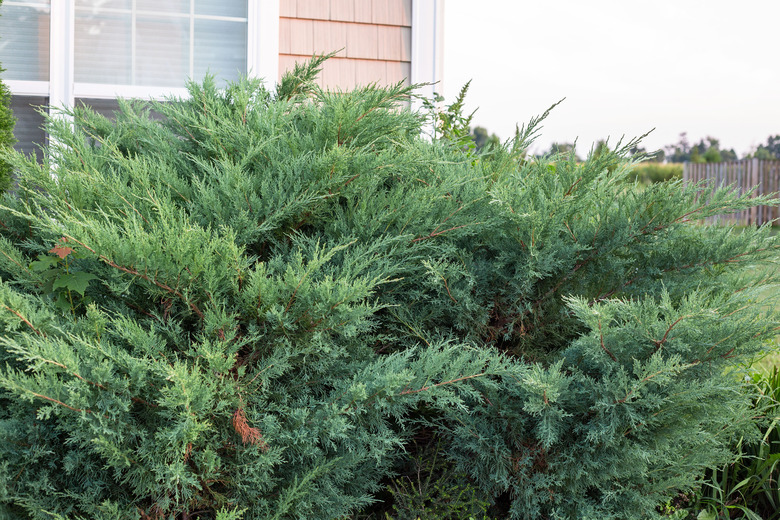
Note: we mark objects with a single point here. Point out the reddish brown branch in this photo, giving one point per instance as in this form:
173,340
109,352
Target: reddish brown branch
659,343
448,289
134,208
570,231
11,259
61,403
161,285
610,293
435,234
446,219
648,378
423,389
295,292
98,385
604,348
143,276
571,188
24,320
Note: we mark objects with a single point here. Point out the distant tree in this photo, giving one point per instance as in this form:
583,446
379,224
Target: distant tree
762,153
482,139
707,150
655,156
646,174
770,150
711,152
680,151
562,148
729,155
600,148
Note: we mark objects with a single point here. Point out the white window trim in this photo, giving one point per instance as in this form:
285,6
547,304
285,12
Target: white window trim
104,91
61,53
427,47
20,87
263,41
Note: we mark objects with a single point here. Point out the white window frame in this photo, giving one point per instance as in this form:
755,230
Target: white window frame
62,91
427,48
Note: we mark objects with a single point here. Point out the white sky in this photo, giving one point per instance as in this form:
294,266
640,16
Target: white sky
706,67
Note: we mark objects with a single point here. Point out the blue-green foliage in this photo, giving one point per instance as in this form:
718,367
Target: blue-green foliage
283,287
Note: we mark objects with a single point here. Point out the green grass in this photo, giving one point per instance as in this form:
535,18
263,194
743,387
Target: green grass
770,296
767,364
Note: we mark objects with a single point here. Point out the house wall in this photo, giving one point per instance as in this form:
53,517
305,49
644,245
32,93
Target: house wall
373,37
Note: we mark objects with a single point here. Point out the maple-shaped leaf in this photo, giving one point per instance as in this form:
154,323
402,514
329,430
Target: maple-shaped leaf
61,251
74,281
44,263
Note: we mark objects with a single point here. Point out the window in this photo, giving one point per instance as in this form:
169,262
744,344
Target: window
83,51
29,123
158,44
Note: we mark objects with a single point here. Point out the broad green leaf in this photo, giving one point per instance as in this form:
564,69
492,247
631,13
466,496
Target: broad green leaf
43,263
77,281
706,515
62,302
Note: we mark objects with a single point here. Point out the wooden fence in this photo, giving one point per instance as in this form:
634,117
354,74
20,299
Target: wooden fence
743,175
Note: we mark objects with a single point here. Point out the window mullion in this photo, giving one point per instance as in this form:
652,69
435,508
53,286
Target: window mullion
263,40
427,48
191,75
61,52
133,45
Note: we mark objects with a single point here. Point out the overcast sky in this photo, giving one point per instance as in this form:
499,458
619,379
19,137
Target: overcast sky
705,67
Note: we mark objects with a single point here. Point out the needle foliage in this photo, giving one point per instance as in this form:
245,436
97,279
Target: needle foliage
250,307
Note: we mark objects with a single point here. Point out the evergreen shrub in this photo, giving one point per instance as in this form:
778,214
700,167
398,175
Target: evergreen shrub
250,306
7,139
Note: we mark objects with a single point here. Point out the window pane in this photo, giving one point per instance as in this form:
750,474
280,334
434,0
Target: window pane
24,42
104,107
220,49
167,6
109,107
162,51
158,43
103,4
29,123
103,48
233,8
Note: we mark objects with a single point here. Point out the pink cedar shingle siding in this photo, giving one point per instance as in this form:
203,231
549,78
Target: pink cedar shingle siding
375,38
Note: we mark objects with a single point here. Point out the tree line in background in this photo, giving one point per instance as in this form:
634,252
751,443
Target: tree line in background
707,150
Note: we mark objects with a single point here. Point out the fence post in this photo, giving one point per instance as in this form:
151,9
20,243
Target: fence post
761,185
753,184
744,175
743,182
